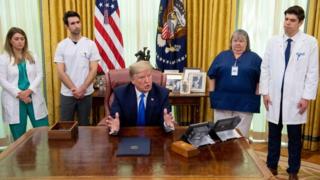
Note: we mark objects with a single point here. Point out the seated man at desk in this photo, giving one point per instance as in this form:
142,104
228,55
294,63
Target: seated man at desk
140,102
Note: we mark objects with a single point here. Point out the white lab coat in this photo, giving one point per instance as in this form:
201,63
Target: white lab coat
301,77
9,76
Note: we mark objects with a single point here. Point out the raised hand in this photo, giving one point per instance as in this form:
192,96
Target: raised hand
168,118
113,124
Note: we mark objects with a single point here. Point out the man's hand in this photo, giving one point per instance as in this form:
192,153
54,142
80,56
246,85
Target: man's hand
113,124
302,105
267,101
168,119
78,93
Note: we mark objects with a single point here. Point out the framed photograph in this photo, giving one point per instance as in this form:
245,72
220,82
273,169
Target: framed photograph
197,82
187,71
176,86
185,87
174,81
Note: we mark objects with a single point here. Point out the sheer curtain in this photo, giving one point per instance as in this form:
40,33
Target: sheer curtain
262,20
26,15
139,20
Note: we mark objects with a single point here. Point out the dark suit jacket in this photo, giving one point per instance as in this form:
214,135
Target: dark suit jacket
125,103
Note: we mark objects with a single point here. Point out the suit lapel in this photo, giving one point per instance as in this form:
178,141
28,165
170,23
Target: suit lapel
133,103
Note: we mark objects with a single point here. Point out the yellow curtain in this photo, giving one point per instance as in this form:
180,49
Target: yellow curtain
311,130
210,24
53,32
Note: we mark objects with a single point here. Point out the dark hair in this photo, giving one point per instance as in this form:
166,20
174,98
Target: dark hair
241,32
296,10
69,14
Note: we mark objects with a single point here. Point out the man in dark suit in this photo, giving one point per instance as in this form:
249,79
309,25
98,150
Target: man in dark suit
140,102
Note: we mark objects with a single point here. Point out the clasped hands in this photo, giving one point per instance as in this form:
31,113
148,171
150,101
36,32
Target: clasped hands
78,93
114,123
25,96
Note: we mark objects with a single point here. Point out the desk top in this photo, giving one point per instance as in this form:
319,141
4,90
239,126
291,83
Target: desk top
93,155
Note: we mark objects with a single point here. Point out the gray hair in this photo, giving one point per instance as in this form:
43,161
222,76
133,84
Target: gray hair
243,33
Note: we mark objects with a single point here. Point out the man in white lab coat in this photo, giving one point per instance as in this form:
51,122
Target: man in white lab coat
289,79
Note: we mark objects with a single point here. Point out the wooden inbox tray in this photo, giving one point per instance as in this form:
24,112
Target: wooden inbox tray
64,130
184,149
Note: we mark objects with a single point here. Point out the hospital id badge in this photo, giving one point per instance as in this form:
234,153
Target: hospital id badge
234,71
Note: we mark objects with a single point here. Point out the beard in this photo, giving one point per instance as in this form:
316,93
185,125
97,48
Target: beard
76,31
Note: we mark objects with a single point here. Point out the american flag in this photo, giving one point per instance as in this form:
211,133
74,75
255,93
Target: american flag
108,36
166,33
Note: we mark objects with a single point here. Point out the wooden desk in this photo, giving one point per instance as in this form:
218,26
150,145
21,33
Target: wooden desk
191,101
93,156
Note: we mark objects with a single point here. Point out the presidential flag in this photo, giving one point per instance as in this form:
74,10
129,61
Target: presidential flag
108,36
171,36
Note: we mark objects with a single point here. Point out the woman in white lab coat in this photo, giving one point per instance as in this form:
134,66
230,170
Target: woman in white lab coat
20,79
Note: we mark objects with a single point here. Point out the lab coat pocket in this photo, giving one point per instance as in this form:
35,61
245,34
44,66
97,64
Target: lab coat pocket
9,108
39,105
300,56
300,62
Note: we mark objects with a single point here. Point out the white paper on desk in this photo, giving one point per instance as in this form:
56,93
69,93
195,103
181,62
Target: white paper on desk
203,140
228,134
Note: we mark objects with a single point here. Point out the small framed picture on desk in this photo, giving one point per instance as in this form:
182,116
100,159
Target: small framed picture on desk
174,81
188,71
197,82
185,87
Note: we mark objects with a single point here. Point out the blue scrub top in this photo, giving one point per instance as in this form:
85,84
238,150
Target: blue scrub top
235,93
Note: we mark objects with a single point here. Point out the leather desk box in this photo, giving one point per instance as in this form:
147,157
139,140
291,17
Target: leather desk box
184,149
64,130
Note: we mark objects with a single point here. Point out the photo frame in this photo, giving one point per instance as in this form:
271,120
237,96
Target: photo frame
185,87
171,71
173,81
197,82
187,71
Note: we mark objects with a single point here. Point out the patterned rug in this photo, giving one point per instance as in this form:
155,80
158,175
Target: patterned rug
308,171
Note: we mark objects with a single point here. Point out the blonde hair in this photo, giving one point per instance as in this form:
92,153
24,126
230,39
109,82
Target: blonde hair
240,33
8,47
138,67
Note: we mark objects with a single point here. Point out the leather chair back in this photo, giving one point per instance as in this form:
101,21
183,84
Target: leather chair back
117,77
